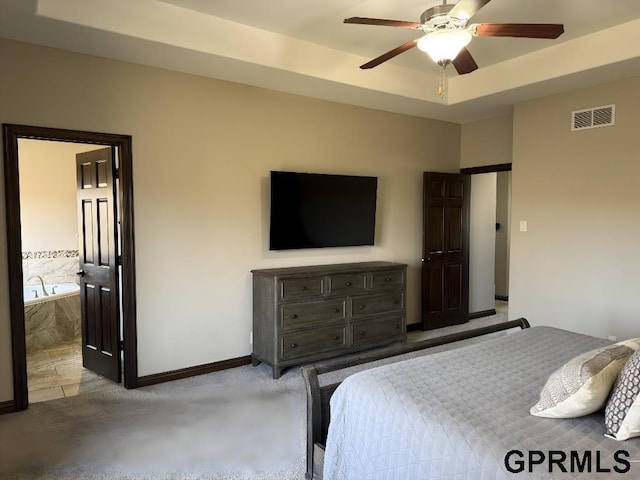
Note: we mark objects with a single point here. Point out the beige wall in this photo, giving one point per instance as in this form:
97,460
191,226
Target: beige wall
487,142
202,152
577,265
48,194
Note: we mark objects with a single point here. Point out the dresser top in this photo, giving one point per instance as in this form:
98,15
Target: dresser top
329,269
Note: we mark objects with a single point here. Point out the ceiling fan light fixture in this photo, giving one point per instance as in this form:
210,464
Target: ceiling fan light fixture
444,45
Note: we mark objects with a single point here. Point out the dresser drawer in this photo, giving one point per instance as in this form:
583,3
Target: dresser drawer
366,331
312,341
291,288
297,314
372,304
384,280
347,283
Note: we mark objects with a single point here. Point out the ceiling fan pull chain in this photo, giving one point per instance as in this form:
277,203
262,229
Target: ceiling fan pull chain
442,85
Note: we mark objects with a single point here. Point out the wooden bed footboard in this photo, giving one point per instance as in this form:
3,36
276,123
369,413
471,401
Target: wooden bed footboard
318,397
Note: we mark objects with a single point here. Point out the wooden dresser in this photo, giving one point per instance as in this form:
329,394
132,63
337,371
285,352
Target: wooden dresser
304,314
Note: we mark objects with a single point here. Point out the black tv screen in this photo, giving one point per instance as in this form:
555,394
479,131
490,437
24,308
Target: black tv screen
313,210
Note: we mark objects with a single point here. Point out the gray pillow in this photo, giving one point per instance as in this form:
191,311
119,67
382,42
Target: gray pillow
622,413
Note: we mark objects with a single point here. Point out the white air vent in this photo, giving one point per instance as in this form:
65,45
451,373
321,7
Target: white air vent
604,116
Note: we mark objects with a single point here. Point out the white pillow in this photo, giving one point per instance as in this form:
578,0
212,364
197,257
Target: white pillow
581,386
622,414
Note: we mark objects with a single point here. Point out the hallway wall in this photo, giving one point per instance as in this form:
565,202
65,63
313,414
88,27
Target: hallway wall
482,233
503,238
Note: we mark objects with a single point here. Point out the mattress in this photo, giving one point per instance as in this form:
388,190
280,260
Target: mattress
464,414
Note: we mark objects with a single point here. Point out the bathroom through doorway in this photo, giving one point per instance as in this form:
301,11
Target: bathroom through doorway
51,282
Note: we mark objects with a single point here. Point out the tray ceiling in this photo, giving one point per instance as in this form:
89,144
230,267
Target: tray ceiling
303,47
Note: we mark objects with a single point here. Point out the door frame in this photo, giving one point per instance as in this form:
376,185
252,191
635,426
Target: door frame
499,167
11,134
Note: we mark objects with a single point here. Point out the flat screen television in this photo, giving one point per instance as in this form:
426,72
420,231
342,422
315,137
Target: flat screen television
314,210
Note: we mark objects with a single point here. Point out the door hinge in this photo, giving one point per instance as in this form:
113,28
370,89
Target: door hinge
121,345
116,173
119,260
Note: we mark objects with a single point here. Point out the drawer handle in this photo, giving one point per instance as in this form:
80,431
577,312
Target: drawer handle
294,316
362,332
294,345
336,310
396,301
337,337
396,326
361,307
387,279
348,284
304,289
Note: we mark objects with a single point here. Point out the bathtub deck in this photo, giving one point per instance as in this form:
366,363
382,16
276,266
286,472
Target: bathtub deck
56,372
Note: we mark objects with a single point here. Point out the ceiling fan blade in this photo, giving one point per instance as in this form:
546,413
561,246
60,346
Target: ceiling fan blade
464,62
529,30
382,22
389,55
466,9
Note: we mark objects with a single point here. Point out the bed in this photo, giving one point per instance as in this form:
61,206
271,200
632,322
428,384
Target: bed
438,416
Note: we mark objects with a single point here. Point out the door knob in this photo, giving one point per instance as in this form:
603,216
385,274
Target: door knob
80,273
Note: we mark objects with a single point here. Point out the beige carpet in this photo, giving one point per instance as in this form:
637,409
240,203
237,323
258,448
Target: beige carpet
235,424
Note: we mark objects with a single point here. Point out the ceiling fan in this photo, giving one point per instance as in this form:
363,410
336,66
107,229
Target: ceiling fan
447,34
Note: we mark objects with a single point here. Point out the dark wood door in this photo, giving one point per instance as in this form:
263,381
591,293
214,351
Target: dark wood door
98,273
445,261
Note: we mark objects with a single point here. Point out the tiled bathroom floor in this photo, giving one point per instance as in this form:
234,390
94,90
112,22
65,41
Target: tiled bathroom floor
57,372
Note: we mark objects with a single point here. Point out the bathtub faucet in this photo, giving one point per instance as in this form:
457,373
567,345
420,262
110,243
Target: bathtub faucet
44,290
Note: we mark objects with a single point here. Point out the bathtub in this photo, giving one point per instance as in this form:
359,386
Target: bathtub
34,294
51,319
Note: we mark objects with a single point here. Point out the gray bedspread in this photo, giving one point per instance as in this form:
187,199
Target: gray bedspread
457,414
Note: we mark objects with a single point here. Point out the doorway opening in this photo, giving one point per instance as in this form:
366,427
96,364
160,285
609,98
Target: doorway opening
489,240
23,269
50,258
